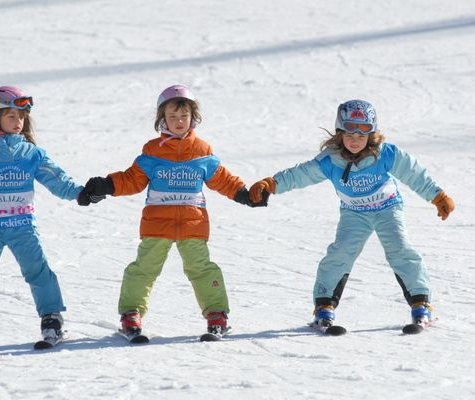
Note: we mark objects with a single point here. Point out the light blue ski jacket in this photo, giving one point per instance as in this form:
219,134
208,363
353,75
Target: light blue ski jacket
371,184
21,163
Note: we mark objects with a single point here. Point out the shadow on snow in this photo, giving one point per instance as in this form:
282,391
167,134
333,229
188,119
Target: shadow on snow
117,341
286,47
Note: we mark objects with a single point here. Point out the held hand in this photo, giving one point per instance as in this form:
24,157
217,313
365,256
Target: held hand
262,188
445,205
99,186
84,198
242,196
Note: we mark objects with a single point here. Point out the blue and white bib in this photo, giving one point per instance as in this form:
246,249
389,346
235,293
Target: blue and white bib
177,182
369,189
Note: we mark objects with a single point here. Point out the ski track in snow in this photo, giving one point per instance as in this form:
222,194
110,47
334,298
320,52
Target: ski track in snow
267,78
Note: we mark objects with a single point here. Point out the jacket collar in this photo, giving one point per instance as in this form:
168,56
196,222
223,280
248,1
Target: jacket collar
12,138
164,137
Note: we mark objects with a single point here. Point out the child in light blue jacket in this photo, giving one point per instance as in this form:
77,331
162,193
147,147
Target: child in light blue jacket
21,163
363,171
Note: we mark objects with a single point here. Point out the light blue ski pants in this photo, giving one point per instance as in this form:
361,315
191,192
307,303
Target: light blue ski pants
25,245
354,229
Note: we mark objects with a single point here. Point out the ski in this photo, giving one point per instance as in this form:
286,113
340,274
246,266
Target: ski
134,337
49,342
334,330
412,329
215,337
415,328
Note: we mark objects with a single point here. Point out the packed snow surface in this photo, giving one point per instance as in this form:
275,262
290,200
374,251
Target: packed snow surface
268,75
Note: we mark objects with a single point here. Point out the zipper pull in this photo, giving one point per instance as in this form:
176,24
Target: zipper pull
346,173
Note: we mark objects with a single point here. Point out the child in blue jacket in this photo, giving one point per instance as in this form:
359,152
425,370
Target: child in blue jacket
21,163
363,171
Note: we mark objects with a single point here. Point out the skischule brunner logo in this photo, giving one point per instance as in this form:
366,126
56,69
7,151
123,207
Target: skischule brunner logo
13,177
181,177
362,183
14,200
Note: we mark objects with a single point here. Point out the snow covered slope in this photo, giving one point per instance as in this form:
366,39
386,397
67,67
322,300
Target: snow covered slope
268,74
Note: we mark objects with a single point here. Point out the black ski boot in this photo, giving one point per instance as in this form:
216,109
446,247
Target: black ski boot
51,325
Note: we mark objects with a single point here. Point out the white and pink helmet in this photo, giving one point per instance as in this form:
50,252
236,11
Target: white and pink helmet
175,92
13,97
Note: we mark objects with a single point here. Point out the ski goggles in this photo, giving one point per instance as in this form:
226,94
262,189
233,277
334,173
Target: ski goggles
356,127
21,103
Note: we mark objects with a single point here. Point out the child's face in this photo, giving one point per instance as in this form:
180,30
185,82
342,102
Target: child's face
355,142
178,120
12,121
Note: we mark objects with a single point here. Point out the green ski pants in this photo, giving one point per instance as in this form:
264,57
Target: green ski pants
205,276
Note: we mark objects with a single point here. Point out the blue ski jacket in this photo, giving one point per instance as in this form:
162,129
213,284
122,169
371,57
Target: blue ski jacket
21,163
371,184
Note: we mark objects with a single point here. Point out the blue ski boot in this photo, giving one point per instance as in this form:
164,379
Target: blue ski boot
324,316
421,313
324,321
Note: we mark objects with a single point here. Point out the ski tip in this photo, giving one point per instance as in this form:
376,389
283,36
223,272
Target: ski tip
42,345
140,339
215,337
210,337
412,329
134,338
48,343
336,330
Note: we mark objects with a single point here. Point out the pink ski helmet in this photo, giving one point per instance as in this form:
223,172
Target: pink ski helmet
13,97
175,92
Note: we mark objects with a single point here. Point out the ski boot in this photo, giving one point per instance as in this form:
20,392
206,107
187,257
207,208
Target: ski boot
217,327
51,330
324,321
421,313
51,326
217,323
131,322
324,316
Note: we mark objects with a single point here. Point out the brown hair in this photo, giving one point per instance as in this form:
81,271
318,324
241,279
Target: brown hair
336,142
28,127
179,103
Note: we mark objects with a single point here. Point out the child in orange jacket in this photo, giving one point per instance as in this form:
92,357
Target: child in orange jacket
174,167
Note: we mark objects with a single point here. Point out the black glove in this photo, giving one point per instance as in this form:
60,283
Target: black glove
242,196
100,186
84,198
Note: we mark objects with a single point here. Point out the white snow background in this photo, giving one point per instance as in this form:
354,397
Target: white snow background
268,74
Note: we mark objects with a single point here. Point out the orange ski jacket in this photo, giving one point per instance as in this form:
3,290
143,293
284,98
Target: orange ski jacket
166,214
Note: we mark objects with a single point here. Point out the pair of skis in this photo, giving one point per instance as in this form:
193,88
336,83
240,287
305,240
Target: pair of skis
337,330
140,338
133,338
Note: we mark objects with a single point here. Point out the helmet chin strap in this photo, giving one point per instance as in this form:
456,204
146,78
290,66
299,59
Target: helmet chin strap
164,129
